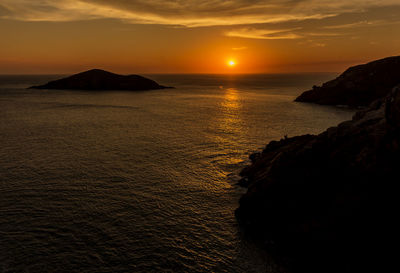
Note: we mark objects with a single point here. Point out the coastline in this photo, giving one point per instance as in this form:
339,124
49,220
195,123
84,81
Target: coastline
313,200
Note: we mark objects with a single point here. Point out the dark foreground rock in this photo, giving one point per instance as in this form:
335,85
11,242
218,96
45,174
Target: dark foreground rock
97,79
331,202
357,86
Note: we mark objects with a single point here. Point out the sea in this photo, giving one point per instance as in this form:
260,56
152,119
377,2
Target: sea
119,181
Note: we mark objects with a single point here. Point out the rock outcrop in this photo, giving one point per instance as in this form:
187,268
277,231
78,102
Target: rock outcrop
97,79
330,202
357,86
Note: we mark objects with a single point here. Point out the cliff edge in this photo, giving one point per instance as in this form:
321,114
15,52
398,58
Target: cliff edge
358,86
330,202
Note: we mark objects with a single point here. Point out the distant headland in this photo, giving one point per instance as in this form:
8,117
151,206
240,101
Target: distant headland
357,86
97,79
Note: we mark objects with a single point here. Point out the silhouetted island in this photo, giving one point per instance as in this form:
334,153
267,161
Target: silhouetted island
357,86
97,79
330,202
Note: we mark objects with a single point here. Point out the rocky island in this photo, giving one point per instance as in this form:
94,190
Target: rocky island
97,79
357,86
330,202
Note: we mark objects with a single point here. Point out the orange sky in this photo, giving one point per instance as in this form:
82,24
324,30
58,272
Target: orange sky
154,36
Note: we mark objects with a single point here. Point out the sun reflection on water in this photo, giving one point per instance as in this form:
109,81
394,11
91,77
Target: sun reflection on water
231,100
229,125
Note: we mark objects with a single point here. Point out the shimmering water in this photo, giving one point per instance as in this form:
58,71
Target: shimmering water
139,181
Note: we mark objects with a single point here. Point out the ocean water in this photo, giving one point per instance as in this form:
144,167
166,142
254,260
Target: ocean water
140,181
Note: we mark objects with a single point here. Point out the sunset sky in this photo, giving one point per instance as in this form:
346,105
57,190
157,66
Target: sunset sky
193,36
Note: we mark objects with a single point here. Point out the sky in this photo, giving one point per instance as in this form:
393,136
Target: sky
193,36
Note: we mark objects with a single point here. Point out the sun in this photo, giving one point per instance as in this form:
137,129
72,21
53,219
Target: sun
231,63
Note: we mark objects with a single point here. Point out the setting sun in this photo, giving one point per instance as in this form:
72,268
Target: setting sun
231,63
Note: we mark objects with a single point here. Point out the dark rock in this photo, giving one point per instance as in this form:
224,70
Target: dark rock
357,86
253,157
243,182
330,202
97,79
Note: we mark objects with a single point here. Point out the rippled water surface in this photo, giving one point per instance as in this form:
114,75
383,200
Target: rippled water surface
139,181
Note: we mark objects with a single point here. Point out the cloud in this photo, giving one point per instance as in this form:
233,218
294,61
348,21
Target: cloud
265,34
351,25
58,11
364,23
3,11
324,34
319,45
190,13
239,48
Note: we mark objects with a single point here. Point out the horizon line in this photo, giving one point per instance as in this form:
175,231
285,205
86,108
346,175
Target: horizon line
174,73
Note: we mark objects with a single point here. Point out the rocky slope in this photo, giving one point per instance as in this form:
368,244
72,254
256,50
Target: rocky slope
97,79
357,86
330,202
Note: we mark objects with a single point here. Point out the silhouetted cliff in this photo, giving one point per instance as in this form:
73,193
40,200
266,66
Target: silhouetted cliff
97,79
330,202
357,86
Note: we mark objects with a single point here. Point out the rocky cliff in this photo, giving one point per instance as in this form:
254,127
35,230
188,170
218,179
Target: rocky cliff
357,86
330,202
97,79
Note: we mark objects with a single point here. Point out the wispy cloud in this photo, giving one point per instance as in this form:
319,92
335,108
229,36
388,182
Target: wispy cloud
190,13
239,48
323,34
356,24
251,33
186,13
364,23
319,45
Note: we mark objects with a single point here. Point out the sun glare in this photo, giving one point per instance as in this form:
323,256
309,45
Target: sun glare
231,63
